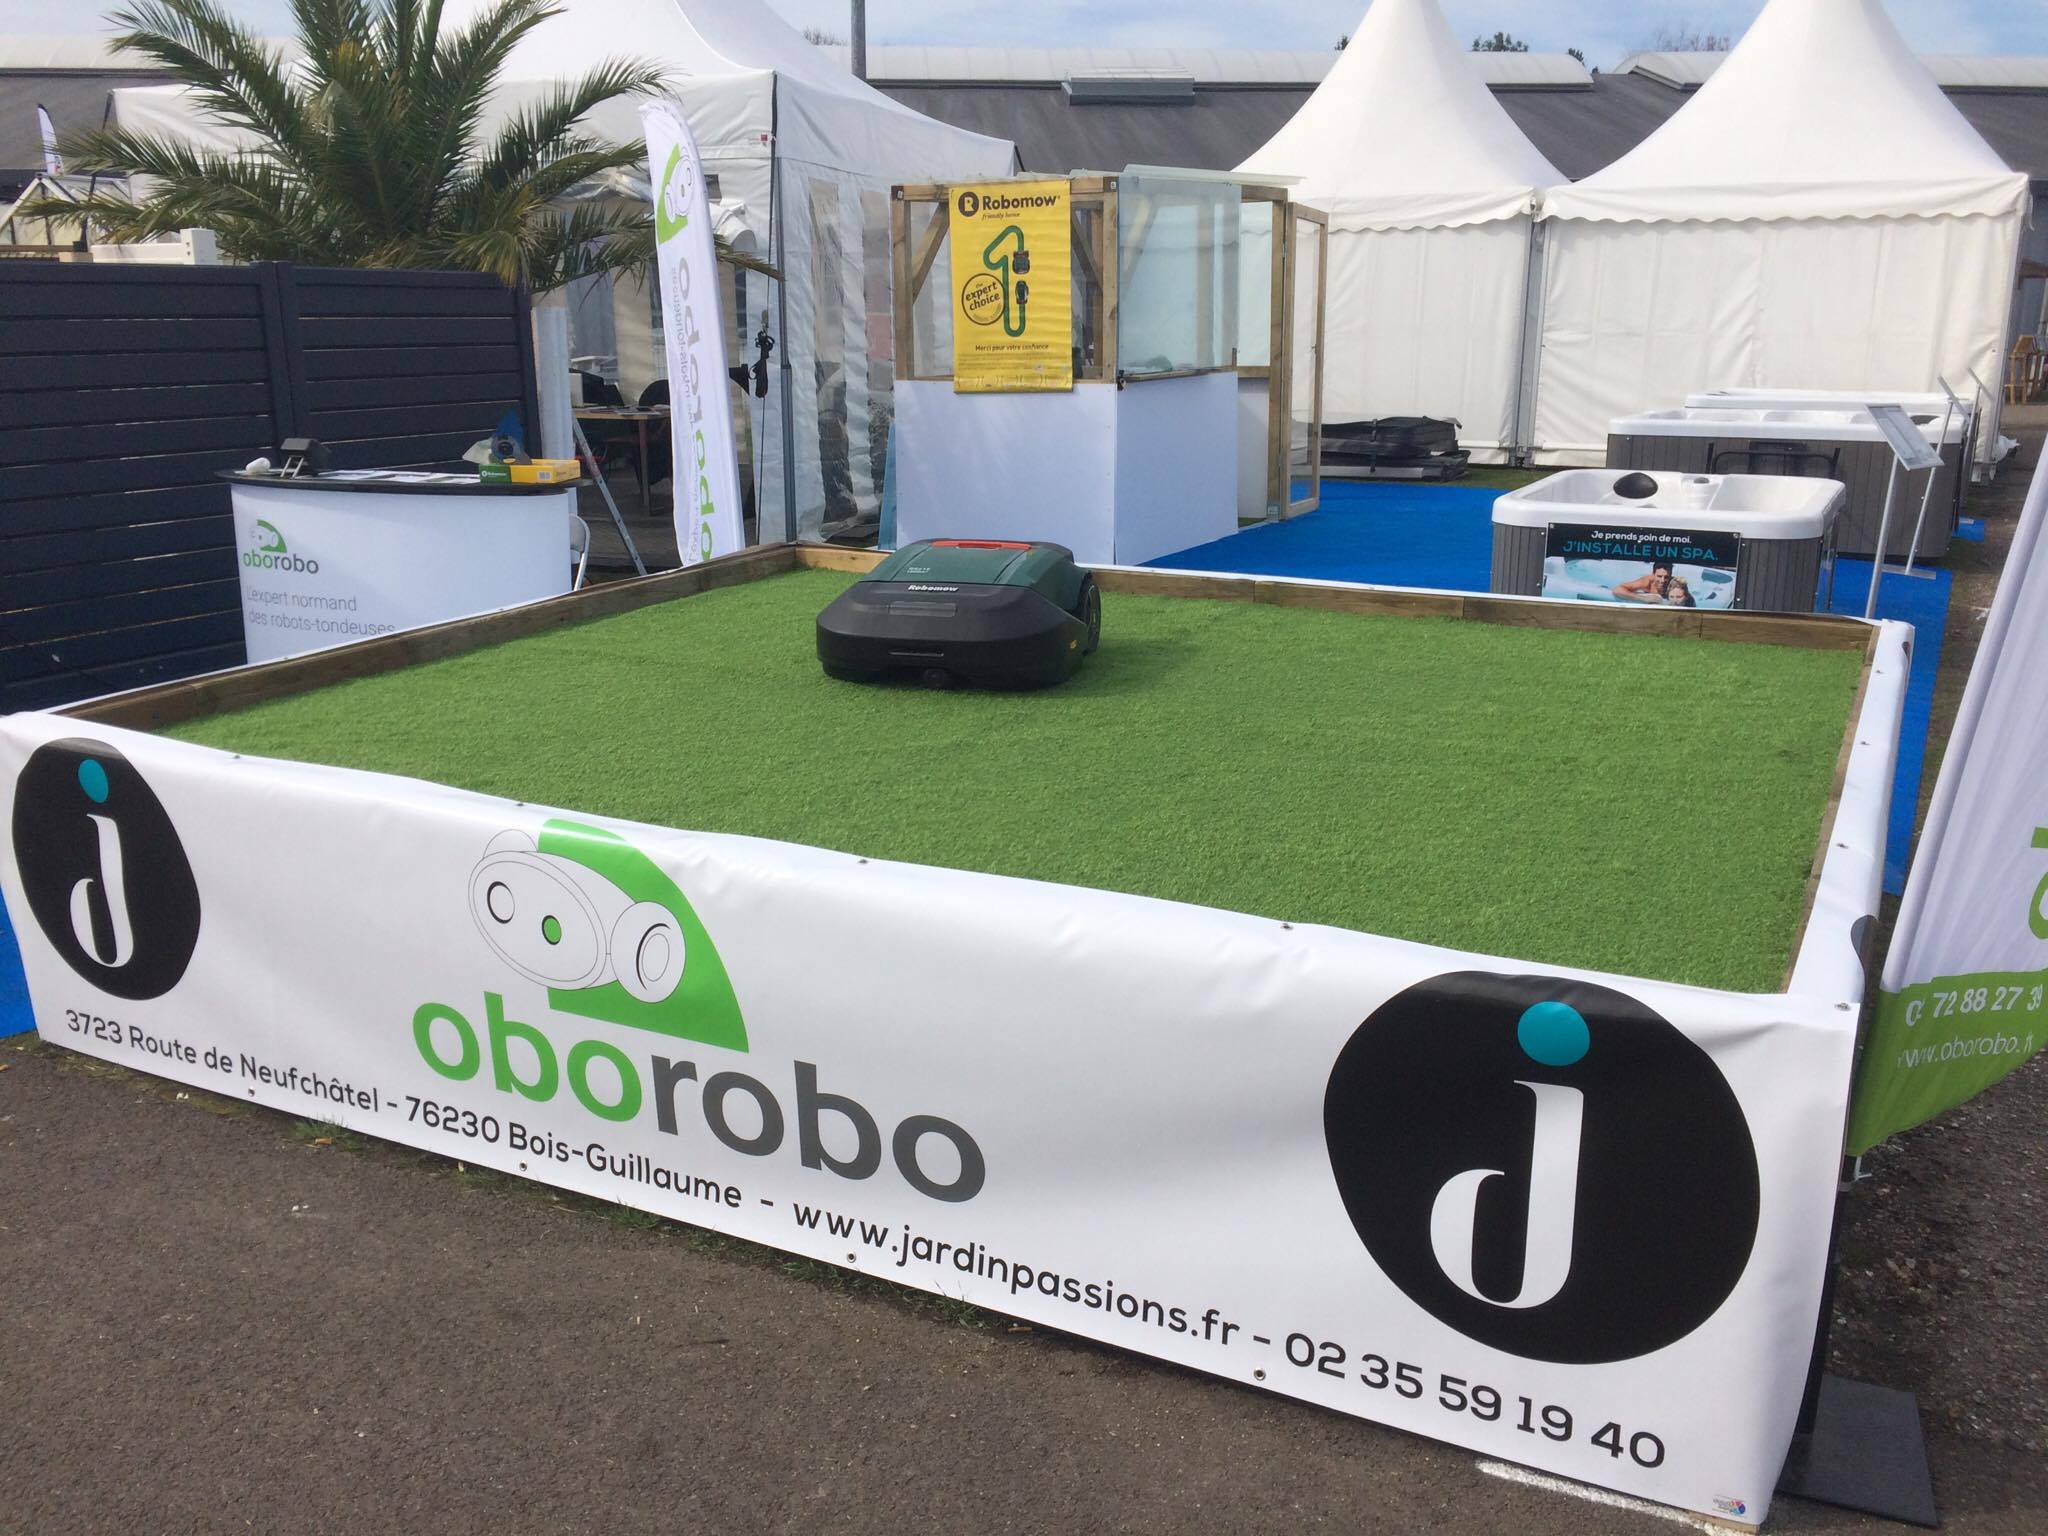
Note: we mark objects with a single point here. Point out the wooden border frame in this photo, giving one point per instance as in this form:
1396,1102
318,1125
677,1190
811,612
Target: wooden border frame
166,704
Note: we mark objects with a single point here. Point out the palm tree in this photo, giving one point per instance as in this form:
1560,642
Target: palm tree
369,150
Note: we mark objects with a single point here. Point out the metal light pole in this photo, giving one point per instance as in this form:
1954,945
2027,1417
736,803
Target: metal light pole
860,39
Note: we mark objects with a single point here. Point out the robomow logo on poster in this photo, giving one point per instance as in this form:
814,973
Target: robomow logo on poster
584,914
1547,1166
268,552
103,869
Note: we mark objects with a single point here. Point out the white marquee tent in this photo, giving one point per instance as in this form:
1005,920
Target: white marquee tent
804,156
1430,188
1817,216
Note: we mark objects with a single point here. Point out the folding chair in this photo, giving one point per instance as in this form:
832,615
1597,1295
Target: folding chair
579,549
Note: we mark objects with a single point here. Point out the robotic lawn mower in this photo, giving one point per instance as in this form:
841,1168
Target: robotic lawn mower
995,613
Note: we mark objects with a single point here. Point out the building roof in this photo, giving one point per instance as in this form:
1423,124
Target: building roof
1213,130
894,64
1213,126
1951,71
77,101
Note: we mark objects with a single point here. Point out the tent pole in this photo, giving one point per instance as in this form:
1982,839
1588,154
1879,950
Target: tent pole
775,191
604,489
1523,449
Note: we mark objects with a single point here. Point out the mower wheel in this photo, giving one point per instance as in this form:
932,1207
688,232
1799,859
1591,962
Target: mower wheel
1089,611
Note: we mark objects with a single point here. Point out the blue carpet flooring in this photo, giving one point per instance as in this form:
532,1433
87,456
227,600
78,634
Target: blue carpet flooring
1972,529
1442,536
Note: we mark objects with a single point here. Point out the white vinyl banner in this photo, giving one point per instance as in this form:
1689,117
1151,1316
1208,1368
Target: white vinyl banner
1965,999
326,561
709,517
1573,1221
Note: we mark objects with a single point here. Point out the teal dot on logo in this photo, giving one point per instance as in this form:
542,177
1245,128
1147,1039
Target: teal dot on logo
551,929
1553,1033
92,778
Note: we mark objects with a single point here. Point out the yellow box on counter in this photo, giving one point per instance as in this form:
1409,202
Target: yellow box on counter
535,472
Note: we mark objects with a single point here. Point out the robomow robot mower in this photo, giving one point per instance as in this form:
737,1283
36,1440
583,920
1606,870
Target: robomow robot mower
996,613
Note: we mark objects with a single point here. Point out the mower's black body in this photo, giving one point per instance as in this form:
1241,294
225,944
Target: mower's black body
991,613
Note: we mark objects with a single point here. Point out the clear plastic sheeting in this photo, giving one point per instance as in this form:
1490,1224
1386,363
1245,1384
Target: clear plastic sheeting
1177,272
1256,229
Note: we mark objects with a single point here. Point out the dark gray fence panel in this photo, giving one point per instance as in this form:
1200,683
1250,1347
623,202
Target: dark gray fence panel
444,355
124,390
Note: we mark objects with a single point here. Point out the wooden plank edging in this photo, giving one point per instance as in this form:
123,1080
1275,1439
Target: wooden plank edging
1831,808
166,704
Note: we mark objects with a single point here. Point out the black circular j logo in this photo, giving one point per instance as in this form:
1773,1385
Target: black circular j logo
106,876
1546,1166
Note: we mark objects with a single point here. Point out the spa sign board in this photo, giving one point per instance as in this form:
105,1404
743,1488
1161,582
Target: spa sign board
1571,1220
1646,567
1013,308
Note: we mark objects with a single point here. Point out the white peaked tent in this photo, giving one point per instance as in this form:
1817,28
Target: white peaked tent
804,155
1817,216
1430,187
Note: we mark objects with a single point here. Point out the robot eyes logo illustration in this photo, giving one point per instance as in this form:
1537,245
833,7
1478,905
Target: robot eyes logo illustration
103,869
1545,1165
582,912
562,925
672,203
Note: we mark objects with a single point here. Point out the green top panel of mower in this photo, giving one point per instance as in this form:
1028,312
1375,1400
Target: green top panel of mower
986,563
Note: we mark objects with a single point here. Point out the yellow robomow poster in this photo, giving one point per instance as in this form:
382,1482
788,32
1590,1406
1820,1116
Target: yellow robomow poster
1013,302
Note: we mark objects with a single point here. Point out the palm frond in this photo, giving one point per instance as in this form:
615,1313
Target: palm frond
542,128
242,80
371,148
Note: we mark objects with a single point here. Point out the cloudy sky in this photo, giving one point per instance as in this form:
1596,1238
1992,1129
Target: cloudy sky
1604,30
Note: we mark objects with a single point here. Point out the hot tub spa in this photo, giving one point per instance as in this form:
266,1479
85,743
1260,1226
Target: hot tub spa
1794,441
1666,539
1921,404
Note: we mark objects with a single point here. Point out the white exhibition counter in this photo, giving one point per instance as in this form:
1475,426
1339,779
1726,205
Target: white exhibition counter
326,559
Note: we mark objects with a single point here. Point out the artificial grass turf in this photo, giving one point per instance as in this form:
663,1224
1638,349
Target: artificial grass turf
1622,802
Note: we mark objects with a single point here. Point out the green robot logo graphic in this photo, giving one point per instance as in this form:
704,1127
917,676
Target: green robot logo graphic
590,917
1009,268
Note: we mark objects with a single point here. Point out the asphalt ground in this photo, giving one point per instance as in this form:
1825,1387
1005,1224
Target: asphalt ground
219,1319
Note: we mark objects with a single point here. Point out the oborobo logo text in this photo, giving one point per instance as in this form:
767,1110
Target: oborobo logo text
1546,1166
105,874
583,913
